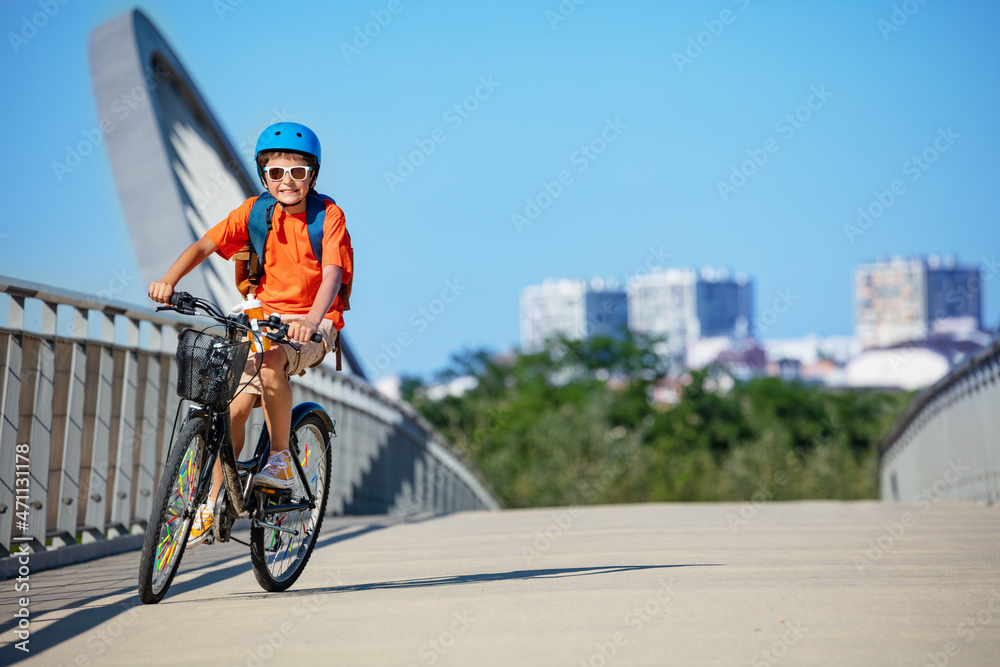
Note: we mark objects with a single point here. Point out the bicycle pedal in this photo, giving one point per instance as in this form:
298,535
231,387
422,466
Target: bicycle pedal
276,496
223,524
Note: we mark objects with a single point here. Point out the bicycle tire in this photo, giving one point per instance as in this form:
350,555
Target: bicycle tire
168,529
278,558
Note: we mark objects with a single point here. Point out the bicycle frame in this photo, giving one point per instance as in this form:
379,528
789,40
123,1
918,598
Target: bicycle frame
284,522
237,475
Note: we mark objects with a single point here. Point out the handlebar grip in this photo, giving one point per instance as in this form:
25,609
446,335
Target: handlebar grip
317,337
178,298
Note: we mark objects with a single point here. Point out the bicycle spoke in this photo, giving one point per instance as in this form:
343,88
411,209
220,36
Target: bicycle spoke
280,556
171,532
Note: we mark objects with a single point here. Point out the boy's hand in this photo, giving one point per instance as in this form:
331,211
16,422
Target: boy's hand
302,330
160,292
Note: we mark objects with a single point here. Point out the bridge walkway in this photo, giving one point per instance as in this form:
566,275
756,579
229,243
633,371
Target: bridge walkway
803,583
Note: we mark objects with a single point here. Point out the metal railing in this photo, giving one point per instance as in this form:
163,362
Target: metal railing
89,399
947,442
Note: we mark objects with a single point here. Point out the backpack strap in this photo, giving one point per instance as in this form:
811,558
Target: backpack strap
258,228
338,343
315,215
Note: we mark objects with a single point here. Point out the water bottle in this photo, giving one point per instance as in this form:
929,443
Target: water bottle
254,309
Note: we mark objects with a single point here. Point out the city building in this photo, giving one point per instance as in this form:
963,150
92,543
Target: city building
724,305
575,309
899,300
899,367
663,304
811,358
913,365
606,313
813,349
687,308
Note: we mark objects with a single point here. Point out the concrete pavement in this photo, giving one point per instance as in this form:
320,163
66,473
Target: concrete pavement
806,583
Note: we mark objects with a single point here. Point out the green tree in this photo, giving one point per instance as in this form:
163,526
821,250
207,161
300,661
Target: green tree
574,424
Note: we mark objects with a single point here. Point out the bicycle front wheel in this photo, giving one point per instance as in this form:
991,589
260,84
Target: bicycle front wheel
173,511
279,557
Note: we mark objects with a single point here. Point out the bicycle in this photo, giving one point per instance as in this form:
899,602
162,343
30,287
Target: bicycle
284,524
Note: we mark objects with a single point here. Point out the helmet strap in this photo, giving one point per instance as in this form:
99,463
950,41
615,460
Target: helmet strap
282,205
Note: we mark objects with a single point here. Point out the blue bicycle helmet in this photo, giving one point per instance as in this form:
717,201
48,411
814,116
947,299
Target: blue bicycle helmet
293,137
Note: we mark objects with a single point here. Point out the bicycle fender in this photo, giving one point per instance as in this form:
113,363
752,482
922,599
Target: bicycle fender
302,409
199,411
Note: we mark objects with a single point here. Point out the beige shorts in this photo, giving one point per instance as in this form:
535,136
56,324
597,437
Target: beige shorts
308,356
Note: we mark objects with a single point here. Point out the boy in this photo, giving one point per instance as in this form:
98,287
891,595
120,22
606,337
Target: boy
294,284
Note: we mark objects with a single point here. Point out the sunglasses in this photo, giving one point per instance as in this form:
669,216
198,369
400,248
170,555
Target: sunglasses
278,173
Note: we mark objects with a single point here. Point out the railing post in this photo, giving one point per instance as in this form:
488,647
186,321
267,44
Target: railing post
10,394
144,474
121,501
102,382
70,446
36,414
170,401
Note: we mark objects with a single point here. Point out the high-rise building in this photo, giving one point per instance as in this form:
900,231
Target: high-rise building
606,313
663,304
724,305
901,300
684,306
953,292
571,308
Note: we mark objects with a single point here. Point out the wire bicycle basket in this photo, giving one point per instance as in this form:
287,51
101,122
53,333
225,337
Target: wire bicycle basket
209,367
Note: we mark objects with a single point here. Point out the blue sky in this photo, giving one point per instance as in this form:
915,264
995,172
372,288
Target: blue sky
669,97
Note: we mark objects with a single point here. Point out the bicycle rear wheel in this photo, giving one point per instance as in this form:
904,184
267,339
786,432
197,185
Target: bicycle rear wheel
278,557
173,511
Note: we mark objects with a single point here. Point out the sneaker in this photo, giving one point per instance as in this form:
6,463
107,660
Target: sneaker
202,526
278,473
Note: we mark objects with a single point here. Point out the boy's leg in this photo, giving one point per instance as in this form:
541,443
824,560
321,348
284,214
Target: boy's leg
277,398
276,391
239,412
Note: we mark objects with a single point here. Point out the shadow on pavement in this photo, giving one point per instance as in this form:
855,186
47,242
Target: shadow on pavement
90,613
469,579
499,576
84,620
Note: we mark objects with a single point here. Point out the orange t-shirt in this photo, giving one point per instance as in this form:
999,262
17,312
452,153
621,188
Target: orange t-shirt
292,274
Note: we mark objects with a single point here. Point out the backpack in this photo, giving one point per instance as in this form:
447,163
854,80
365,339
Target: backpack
250,262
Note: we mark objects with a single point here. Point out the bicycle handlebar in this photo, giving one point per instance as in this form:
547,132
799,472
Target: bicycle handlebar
187,304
